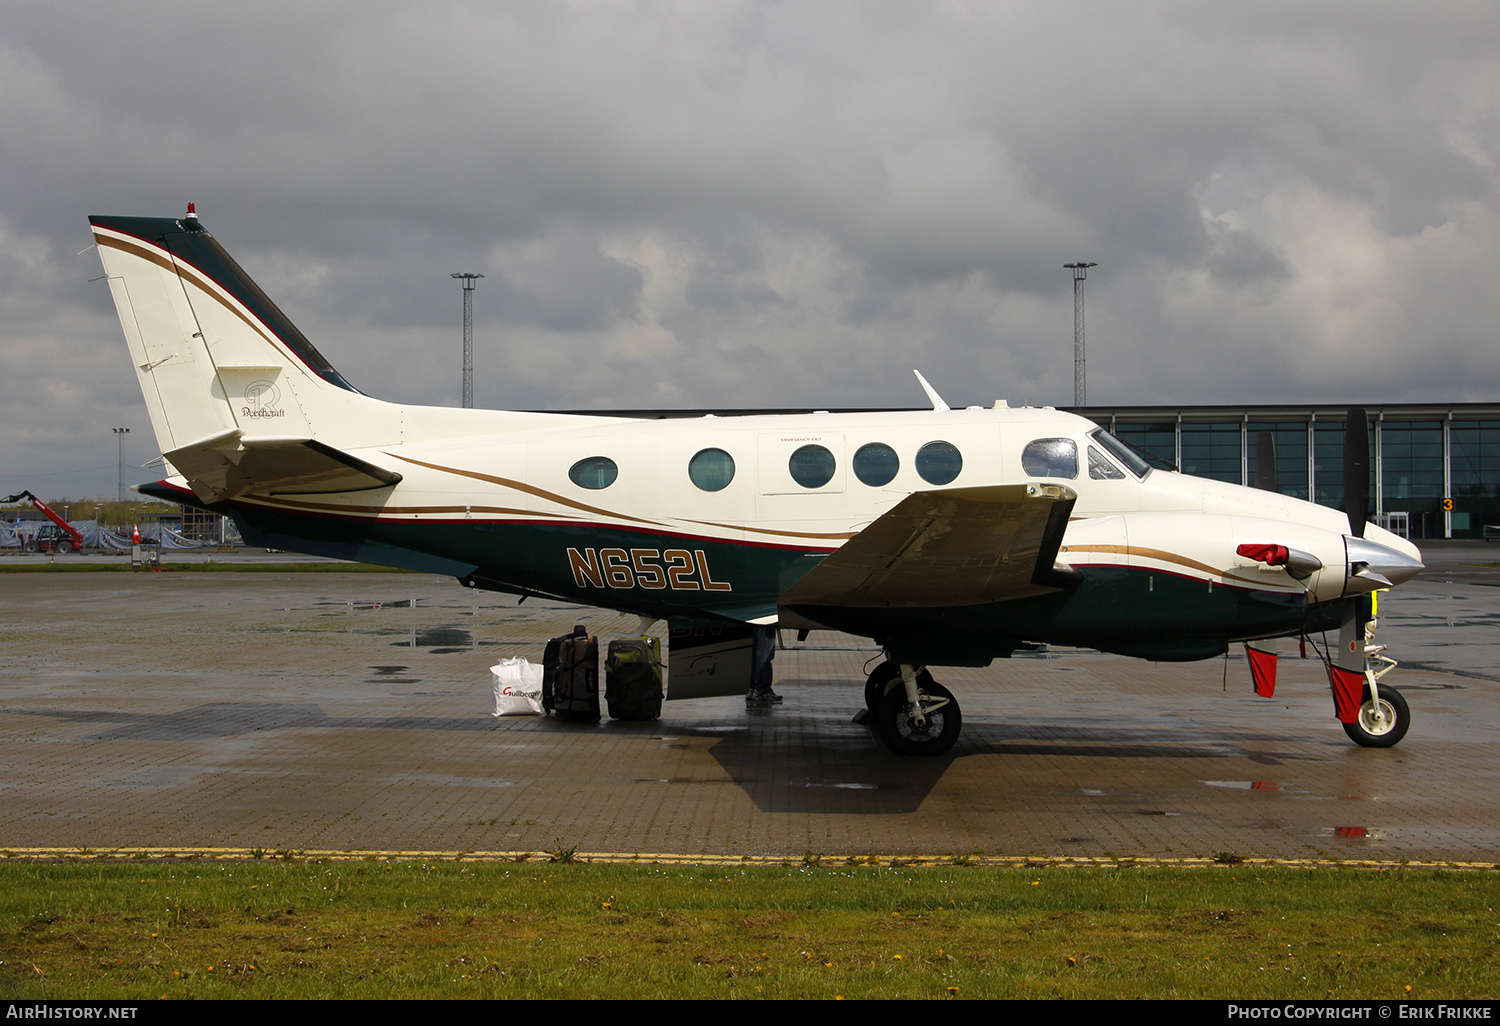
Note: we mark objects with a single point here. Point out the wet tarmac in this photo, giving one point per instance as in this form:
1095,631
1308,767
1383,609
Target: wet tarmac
351,712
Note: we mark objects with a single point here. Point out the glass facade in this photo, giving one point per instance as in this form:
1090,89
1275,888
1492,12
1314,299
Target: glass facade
1424,458
1213,450
1291,454
1157,443
1475,458
1328,463
1411,463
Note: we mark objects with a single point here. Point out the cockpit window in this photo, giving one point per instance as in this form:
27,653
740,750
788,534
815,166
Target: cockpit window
1100,469
1122,452
1051,457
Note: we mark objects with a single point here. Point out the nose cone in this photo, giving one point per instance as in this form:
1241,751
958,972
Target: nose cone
1380,563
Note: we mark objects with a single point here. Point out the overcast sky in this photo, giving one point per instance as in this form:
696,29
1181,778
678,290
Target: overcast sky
742,204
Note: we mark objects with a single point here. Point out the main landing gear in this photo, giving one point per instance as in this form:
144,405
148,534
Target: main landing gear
913,714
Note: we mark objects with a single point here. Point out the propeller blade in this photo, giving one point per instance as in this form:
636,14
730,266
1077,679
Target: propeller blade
1357,470
1265,461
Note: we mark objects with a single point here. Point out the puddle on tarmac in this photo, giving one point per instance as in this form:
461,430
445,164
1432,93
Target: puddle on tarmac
439,639
1248,785
371,603
389,675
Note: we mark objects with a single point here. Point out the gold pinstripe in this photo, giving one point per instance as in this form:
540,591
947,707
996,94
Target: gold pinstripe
1163,556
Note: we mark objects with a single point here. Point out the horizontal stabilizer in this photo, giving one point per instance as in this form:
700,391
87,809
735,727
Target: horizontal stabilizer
228,464
958,547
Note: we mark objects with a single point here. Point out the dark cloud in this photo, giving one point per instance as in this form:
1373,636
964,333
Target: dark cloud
746,203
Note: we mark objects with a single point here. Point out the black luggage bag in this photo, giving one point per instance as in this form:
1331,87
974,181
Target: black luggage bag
570,676
633,679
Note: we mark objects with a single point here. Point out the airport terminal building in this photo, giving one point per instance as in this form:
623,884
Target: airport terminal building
1435,469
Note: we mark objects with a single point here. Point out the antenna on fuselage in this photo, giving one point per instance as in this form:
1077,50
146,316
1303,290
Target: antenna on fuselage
937,400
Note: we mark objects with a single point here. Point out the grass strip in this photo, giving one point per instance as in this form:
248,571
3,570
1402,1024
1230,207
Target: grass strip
293,928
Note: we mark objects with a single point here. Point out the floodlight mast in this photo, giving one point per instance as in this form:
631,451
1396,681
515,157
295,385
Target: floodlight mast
1080,372
120,433
468,282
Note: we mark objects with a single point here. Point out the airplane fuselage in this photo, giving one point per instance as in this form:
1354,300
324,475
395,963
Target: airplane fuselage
1157,550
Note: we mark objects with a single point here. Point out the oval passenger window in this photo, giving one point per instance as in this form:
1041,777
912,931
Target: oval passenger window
812,466
594,472
939,462
711,469
876,464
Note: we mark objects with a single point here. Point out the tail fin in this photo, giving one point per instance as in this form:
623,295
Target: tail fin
223,370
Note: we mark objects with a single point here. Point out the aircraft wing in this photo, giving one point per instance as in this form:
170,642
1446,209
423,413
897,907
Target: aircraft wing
228,464
958,547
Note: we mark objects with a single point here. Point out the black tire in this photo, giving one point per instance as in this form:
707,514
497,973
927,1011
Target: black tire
1369,734
29,545
881,679
63,548
903,738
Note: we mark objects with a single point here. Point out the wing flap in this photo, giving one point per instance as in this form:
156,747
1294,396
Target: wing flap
963,546
228,464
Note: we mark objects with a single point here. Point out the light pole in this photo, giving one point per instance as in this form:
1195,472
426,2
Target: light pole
1080,372
468,280
120,434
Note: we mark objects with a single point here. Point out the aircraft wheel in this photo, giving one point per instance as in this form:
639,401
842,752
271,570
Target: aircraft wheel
904,737
881,679
1385,731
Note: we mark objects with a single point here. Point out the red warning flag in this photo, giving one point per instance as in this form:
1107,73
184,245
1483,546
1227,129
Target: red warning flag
1348,692
1262,670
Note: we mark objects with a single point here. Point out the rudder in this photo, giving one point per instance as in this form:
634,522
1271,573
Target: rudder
213,354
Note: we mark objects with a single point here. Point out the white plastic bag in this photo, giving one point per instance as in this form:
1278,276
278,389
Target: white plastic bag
518,688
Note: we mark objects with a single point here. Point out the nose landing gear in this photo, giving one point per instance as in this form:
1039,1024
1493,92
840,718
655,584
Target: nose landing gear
1382,718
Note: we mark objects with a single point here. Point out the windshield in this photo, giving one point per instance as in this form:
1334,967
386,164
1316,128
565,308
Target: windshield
1120,451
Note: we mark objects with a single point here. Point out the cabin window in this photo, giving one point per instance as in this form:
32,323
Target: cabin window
1051,457
711,469
812,466
876,464
594,472
939,462
1100,469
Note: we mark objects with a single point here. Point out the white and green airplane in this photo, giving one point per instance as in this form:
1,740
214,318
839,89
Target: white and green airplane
949,537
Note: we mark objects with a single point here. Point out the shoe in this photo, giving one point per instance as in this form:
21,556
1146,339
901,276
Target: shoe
753,697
